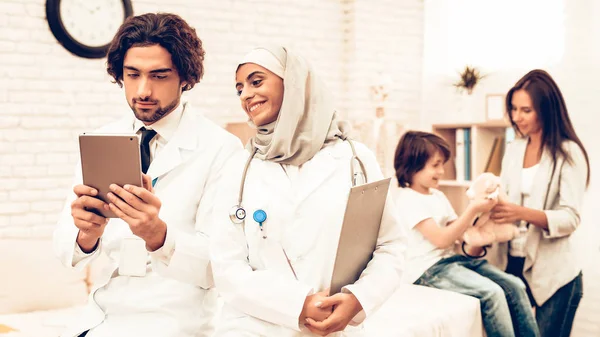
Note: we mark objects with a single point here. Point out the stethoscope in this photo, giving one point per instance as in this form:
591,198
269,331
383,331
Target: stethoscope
238,214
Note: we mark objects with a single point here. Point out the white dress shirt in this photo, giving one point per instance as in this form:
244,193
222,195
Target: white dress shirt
517,245
165,129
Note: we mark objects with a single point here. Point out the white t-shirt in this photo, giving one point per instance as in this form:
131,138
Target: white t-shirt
517,245
414,207
527,177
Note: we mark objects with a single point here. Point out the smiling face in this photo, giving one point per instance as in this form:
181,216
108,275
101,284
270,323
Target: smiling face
429,176
523,113
153,87
260,92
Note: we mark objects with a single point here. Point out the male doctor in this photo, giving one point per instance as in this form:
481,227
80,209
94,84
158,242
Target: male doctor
156,57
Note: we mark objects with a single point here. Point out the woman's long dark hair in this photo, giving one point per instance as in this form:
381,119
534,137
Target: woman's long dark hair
549,104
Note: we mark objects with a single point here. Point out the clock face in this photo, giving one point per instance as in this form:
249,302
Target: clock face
86,27
92,22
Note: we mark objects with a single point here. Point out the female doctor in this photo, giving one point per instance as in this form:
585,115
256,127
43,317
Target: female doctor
274,267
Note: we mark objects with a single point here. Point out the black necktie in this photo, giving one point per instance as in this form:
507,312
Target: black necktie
147,136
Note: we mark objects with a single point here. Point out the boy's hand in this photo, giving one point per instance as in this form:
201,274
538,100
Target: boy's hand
483,205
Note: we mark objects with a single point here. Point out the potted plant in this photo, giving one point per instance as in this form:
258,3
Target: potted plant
469,77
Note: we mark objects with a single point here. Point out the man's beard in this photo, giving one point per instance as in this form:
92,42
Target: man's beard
159,113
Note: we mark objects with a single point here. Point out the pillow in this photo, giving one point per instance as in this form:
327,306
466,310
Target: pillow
32,278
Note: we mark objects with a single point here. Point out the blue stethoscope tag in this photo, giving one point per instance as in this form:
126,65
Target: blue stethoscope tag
260,216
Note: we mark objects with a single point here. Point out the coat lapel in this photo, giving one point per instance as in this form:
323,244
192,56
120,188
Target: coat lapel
272,175
541,181
184,142
316,172
537,200
123,125
514,185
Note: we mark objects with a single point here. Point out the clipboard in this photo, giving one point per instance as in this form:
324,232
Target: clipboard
359,234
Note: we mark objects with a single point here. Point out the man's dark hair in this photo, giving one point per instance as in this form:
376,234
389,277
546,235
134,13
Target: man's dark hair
169,31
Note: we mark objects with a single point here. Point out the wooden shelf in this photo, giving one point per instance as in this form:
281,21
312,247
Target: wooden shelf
451,126
493,124
483,137
488,124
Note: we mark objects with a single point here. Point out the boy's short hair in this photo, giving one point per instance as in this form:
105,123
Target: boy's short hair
413,151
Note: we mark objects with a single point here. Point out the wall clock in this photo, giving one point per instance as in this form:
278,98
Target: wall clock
86,27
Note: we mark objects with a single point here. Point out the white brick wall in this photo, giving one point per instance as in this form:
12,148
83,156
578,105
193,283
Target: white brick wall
48,96
376,46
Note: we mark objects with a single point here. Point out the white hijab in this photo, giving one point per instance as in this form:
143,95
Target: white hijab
306,122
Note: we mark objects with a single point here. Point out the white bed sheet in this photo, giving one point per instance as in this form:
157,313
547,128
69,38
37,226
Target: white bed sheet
39,323
413,311
417,311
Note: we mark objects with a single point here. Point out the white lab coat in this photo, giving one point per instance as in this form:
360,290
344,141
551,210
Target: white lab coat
304,214
176,298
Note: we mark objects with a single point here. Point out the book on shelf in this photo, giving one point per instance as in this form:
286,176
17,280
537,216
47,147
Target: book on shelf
459,155
467,132
494,162
462,159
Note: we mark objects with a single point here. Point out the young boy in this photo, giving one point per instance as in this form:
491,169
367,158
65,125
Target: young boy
434,227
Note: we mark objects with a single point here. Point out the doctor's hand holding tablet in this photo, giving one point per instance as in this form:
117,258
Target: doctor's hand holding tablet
114,187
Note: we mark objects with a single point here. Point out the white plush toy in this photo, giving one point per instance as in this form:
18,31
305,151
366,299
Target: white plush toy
486,231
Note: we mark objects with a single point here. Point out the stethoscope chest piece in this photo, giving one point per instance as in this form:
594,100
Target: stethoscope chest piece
237,214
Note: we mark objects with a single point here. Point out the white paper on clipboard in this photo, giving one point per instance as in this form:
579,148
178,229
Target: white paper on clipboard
360,231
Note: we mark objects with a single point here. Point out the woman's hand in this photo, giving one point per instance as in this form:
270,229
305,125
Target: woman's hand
345,306
312,307
506,212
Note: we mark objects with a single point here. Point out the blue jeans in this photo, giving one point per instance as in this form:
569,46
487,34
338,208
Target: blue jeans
554,317
505,307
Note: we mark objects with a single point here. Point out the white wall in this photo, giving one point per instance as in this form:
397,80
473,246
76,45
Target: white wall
565,40
385,38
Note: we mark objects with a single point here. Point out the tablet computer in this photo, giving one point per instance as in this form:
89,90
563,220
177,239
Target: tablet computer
109,159
360,231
